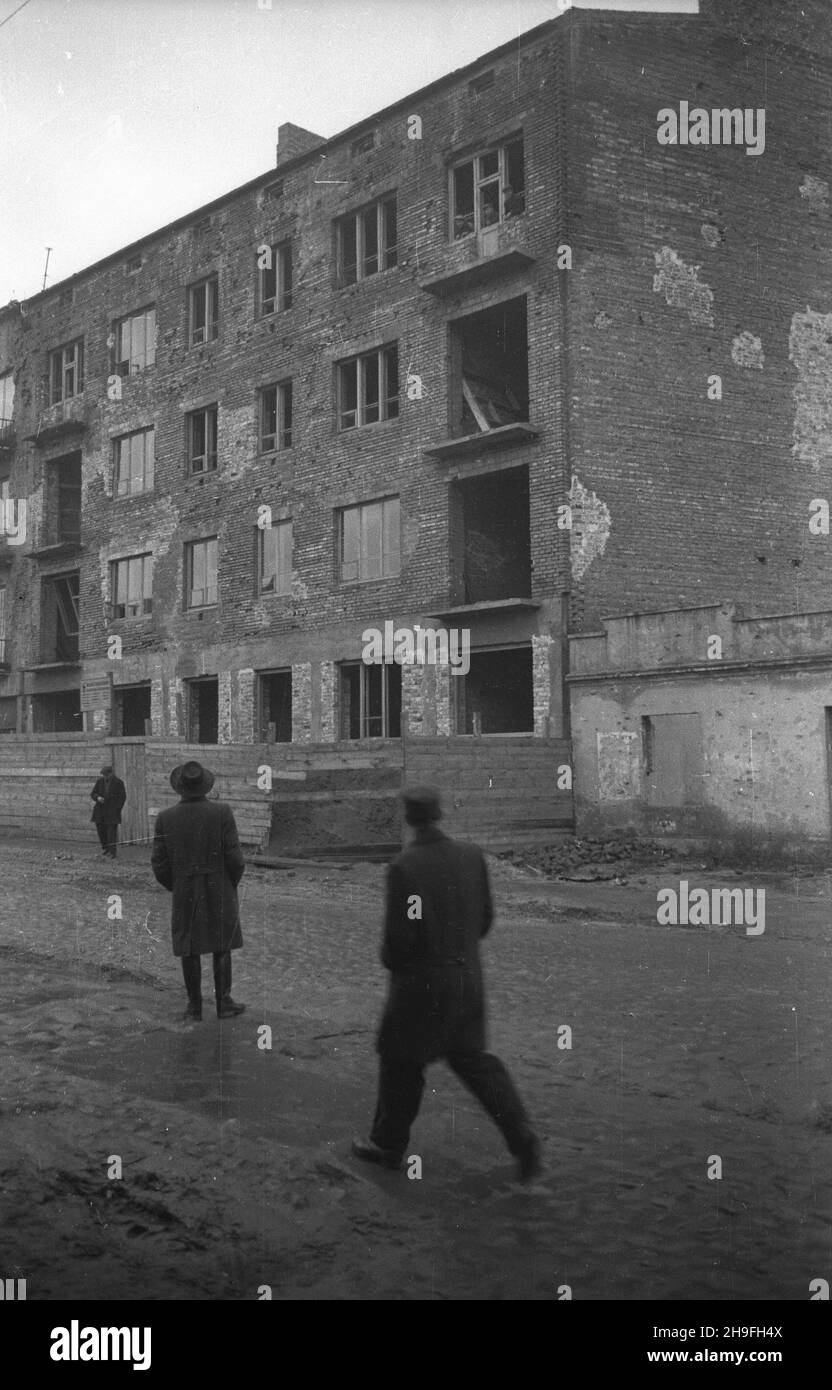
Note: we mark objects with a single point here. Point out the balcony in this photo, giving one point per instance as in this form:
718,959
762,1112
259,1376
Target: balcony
501,437
476,270
64,422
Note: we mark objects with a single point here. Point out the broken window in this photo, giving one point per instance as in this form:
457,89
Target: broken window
204,312
6,400
491,357
276,707
275,279
135,346
370,700
488,189
131,586
69,499
368,388
275,559
276,417
66,372
132,709
202,440
201,563
134,460
202,711
60,622
496,696
369,540
366,241
491,559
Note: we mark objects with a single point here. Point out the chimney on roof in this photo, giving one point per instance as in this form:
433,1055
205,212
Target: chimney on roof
293,140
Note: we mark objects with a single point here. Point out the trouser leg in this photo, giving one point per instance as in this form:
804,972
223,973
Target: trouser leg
487,1078
222,975
400,1086
192,970
112,839
102,834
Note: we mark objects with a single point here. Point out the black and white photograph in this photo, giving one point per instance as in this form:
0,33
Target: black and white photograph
416,662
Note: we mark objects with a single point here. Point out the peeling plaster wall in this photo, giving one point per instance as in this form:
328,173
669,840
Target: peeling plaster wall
810,349
682,288
590,531
700,264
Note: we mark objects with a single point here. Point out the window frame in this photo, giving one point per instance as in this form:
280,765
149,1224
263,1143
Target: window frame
500,178
282,525
387,671
283,271
282,435
385,400
119,361
209,285
386,256
204,411
148,468
58,359
190,549
359,509
145,603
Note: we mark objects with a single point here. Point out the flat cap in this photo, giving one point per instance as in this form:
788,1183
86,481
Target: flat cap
422,803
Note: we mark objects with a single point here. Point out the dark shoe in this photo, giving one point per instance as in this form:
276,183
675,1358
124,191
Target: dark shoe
529,1164
192,1014
371,1153
228,1009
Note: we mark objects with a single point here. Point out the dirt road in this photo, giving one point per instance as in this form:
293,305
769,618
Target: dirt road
688,1045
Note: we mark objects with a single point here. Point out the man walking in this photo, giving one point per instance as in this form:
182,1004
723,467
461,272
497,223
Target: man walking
109,795
438,907
197,857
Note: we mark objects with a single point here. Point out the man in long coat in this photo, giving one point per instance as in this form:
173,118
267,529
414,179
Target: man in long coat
108,795
438,908
197,857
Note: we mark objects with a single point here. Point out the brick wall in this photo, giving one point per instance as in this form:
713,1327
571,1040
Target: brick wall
685,500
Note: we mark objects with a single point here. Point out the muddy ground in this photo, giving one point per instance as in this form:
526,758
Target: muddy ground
688,1044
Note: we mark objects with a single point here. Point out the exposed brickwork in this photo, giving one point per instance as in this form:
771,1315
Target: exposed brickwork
302,702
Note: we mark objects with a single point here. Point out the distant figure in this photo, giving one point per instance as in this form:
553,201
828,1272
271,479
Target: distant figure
438,907
196,856
109,795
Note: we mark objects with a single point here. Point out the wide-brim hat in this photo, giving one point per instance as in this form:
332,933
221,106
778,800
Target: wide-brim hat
191,779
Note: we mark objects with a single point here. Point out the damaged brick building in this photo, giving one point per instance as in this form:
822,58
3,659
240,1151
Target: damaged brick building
455,367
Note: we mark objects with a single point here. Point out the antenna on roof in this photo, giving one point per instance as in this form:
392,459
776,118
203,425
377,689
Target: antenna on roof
45,268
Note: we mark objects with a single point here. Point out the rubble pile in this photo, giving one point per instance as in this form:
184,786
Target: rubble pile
569,854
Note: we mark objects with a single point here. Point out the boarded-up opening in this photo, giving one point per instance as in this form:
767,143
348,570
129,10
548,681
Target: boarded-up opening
496,696
672,759
492,555
63,500
275,707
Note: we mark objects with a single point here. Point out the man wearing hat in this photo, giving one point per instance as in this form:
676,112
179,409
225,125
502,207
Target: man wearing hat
438,907
197,857
109,795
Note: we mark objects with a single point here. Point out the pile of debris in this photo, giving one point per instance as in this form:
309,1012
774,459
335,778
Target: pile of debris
571,857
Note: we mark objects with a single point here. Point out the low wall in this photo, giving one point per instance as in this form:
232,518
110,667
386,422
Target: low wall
500,790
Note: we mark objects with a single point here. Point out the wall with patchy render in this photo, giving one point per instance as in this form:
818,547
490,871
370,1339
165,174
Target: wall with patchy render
692,262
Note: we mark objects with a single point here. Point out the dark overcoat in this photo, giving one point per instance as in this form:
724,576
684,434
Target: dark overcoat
114,793
436,1003
196,856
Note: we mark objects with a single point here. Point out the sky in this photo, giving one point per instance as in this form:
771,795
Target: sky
118,116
